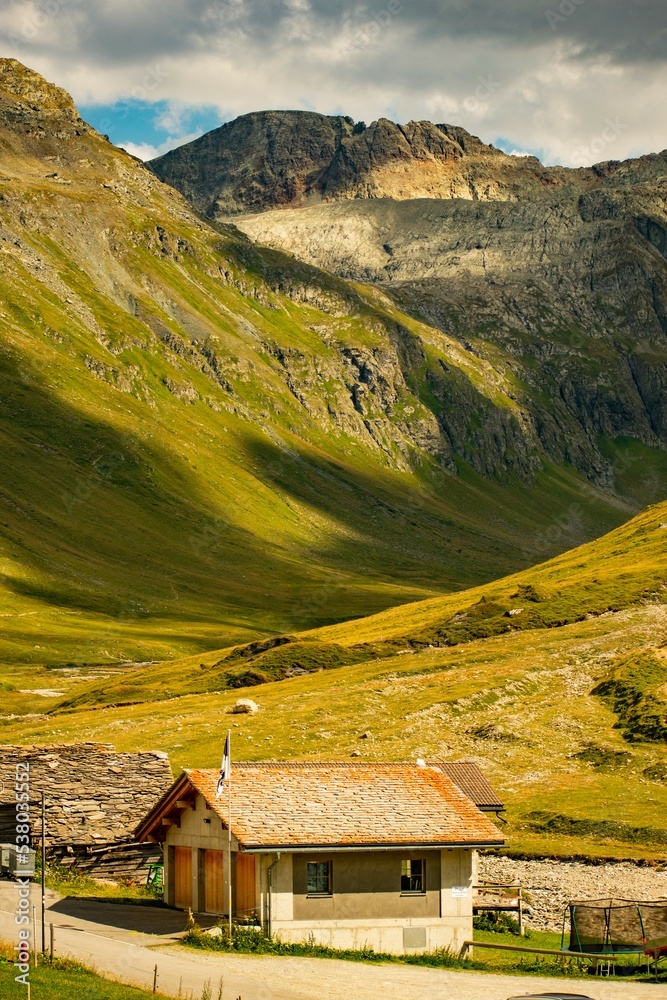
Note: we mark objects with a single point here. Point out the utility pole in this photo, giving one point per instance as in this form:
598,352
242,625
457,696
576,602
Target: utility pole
229,830
43,873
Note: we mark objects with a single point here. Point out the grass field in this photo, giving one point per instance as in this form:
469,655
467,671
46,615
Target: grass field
68,882
550,965
616,572
62,980
490,960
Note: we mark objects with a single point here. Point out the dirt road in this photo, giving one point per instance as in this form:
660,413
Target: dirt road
130,953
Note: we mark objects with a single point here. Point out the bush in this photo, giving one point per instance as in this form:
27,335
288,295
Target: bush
497,922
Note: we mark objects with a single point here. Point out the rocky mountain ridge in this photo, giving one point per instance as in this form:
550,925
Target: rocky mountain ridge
554,279
294,159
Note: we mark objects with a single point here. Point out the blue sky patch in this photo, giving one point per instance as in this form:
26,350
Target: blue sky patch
150,127
518,149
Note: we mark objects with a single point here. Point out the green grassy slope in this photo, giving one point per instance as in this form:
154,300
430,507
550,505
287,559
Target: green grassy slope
621,570
564,715
167,487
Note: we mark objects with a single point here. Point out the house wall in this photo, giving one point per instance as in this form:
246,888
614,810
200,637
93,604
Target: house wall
367,890
201,830
367,909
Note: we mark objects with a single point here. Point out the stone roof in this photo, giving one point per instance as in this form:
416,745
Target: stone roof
301,805
94,794
472,782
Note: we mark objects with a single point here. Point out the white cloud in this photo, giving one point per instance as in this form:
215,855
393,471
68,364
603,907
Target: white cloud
145,151
142,150
497,69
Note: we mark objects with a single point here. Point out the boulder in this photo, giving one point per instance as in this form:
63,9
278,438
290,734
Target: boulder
245,706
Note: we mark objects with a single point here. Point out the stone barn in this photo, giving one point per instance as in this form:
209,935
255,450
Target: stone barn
95,796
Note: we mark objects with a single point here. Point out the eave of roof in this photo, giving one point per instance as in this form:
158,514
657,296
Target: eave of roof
448,845
153,821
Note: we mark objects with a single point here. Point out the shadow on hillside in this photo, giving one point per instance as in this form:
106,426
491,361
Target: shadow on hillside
103,522
106,523
473,531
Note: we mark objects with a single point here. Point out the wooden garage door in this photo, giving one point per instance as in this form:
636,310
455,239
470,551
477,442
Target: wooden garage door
182,877
213,882
245,884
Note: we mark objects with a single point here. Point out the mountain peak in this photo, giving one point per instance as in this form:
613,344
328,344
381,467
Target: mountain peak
26,97
291,159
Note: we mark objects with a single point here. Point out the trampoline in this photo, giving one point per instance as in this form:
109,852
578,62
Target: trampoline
617,927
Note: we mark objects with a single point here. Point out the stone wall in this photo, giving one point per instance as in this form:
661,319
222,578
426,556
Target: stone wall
550,884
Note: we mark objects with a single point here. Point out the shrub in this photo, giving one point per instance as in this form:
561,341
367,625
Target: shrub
497,922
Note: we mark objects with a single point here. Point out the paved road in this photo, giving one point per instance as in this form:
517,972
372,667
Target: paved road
130,953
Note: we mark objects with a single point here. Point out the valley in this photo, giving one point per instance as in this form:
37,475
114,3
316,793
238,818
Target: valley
192,424
378,441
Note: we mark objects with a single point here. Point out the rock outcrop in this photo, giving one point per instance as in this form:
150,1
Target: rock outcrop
279,159
37,108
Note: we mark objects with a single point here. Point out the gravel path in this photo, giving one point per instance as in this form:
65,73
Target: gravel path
551,884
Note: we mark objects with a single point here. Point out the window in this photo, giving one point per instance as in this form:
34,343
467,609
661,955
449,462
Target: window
412,876
318,878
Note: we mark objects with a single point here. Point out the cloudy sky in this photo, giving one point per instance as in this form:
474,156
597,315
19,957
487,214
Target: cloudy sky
573,81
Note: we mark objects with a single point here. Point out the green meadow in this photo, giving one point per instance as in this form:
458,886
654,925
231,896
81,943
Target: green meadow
542,708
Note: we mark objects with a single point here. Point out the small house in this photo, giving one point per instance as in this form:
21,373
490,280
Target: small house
348,854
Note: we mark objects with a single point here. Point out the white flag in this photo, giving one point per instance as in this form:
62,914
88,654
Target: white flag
225,768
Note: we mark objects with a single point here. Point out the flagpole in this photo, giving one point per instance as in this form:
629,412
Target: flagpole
229,830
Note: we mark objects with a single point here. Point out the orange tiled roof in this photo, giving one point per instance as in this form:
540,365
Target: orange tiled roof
345,804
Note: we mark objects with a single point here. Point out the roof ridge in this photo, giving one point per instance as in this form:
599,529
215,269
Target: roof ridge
317,763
